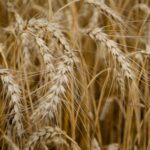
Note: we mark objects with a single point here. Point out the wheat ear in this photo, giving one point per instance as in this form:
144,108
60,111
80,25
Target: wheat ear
106,10
100,37
47,56
50,134
19,27
13,91
48,107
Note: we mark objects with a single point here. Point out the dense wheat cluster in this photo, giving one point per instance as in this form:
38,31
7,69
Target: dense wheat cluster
74,75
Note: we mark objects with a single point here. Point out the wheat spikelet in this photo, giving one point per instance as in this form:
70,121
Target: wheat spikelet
106,10
48,107
61,39
98,35
13,91
25,48
121,82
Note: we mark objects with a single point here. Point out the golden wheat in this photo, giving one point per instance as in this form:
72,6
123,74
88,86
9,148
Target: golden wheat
74,75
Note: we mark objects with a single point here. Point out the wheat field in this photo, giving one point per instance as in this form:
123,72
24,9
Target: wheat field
74,75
